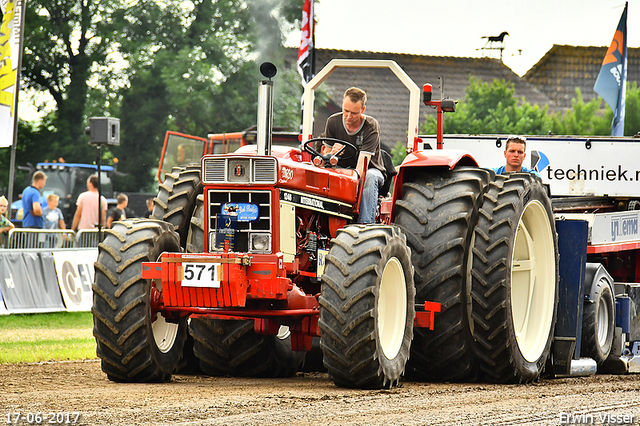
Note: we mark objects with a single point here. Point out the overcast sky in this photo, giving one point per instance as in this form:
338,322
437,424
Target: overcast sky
455,27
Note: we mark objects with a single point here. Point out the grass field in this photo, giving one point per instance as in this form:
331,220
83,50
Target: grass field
44,337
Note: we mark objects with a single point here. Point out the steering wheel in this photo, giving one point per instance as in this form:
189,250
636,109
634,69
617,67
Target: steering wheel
347,152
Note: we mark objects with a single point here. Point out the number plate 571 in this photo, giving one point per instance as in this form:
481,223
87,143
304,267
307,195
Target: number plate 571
202,275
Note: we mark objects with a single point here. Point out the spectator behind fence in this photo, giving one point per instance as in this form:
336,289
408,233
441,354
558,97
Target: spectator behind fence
31,207
118,212
5,224
86,216
53,219
149,208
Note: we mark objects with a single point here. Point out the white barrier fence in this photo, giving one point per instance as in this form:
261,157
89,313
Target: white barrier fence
28,238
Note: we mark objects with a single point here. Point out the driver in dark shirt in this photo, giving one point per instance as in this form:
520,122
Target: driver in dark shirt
363,131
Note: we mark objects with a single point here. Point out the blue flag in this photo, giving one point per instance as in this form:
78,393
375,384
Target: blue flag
611,83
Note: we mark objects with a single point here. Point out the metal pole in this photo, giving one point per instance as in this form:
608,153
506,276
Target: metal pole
99,194
12,166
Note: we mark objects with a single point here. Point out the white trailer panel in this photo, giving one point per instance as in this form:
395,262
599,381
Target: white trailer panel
572,166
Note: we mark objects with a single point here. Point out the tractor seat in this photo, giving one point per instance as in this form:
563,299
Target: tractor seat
390,171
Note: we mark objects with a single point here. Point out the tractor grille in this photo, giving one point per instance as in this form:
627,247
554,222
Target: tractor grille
239,170
262,199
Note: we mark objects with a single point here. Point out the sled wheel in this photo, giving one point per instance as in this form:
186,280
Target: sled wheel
438,213
598,319
515,279
135,343
367,307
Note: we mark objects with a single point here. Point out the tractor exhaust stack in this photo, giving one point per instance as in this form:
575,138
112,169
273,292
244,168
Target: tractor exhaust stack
265,109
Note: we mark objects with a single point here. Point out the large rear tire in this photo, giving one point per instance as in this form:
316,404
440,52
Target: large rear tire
230,347
135,343
515,279
437,212
176,199
598,319
367,307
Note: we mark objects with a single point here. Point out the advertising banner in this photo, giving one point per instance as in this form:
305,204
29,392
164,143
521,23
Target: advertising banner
3,308
75,274
579,166
28,282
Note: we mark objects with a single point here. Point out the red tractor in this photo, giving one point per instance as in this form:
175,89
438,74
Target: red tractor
253,254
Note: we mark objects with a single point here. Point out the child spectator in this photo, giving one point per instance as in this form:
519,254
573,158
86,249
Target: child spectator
53,219
5,224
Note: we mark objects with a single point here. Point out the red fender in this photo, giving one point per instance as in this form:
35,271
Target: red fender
437,158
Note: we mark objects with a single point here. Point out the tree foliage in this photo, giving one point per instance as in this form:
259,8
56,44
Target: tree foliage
64,41
493,108
189,66
195,70
584,118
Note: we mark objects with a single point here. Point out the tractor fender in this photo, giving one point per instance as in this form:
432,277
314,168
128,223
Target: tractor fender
594,272
416,161
439,157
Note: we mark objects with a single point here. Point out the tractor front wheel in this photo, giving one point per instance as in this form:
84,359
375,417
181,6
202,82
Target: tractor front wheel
135,343
367,307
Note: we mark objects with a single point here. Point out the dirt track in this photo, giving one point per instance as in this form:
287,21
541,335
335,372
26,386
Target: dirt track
308,399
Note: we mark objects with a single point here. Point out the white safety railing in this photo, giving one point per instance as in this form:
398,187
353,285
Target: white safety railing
87,238
29,238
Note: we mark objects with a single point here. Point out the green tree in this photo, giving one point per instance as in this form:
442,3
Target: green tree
490,108
195,70
584,118
30,142
64,41
588,118
180,65
632,110
398,153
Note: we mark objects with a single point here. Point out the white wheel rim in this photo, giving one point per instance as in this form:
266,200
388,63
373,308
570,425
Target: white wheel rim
603,322
164,333
392,308
533,281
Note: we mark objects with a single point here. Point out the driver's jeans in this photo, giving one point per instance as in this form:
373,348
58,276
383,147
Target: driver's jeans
372,183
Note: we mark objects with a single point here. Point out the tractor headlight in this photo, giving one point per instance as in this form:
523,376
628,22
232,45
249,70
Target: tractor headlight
260,243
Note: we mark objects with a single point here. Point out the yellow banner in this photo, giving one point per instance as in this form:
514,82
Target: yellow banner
9,54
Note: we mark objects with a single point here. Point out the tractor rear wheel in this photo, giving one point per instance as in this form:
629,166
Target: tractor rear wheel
175,204
598,319
437,212
367,307
135,343
176,199
231,347
515,279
